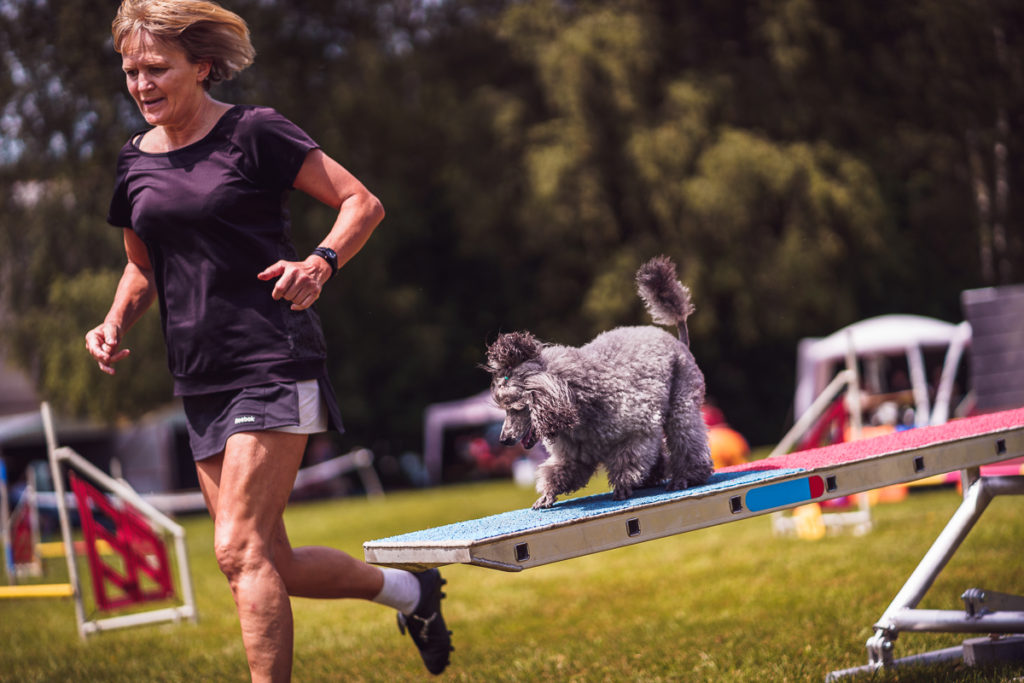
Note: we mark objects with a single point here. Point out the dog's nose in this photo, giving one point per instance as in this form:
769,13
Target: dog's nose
507,441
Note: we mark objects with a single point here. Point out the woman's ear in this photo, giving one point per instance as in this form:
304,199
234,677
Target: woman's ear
204,67
552,404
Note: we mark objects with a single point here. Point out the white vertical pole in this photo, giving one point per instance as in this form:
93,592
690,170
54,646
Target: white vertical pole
62,514
943,395
919,384
188,593
853,404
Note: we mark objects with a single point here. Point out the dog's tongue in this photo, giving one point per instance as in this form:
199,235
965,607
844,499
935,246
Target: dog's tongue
530,438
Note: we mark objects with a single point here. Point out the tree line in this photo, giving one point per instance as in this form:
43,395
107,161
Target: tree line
807,163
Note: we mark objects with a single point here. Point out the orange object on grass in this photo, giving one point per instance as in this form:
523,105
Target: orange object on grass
728,447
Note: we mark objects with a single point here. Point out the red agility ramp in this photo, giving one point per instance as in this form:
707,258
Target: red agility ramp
141,553
959,435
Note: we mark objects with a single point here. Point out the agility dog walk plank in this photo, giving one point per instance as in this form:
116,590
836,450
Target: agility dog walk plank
520,539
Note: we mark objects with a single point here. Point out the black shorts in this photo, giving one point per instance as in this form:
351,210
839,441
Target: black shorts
299,407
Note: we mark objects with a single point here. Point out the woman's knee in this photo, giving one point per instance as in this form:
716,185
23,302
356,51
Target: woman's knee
240,551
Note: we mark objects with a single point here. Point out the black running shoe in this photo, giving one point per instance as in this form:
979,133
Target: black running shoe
426,625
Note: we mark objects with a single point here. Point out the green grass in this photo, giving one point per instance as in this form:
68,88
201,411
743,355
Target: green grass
730,603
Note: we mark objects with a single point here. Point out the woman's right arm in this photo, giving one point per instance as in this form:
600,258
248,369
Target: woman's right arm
135,293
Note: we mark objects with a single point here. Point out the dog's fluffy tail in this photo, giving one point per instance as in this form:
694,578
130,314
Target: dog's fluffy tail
666,298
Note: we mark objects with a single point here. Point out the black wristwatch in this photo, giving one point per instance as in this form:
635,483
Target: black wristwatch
328,255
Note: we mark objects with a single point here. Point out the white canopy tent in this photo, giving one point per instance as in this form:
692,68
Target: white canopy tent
887,335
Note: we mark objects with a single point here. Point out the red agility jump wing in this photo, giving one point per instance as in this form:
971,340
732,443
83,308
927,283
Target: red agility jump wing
21,537
141,552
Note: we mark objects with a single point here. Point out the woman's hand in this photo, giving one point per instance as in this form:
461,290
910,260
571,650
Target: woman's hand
102,343
135,292
299,282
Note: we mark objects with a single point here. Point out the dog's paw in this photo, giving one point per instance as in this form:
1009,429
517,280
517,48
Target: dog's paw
677,485
621,493
544,502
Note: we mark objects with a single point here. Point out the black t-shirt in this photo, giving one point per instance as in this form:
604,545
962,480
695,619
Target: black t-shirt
212,215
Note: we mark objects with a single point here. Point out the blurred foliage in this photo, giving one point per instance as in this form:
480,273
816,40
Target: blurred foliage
807,164
75,304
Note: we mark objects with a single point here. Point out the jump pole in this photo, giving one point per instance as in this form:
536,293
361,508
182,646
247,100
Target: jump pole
40,590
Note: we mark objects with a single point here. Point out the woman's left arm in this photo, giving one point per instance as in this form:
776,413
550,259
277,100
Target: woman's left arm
359,212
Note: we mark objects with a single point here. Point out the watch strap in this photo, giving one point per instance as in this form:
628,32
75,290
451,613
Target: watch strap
328,255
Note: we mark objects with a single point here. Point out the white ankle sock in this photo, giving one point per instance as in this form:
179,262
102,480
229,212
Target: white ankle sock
401,590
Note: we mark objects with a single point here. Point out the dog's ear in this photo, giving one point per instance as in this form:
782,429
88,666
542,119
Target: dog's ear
552,404
511,349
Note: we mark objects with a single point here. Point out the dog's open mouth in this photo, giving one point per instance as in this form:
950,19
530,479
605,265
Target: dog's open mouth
530,438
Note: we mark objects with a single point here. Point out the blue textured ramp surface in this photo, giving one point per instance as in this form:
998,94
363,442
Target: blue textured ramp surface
568,511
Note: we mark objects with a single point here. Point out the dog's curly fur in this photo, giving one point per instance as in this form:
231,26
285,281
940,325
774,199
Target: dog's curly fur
629,400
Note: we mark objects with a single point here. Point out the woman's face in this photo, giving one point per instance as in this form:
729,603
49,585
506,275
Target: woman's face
165,85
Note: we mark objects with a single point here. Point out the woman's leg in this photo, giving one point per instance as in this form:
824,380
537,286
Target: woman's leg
322,572
247,488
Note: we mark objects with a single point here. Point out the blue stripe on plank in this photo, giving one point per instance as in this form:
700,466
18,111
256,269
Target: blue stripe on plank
784,493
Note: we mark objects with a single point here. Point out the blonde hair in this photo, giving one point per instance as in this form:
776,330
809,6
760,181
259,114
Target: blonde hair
205,30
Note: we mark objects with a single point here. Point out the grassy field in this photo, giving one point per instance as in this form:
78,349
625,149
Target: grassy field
730,603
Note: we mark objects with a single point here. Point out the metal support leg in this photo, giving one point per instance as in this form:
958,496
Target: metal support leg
901,614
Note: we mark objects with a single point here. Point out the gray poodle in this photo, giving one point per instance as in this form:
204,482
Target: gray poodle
629,400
